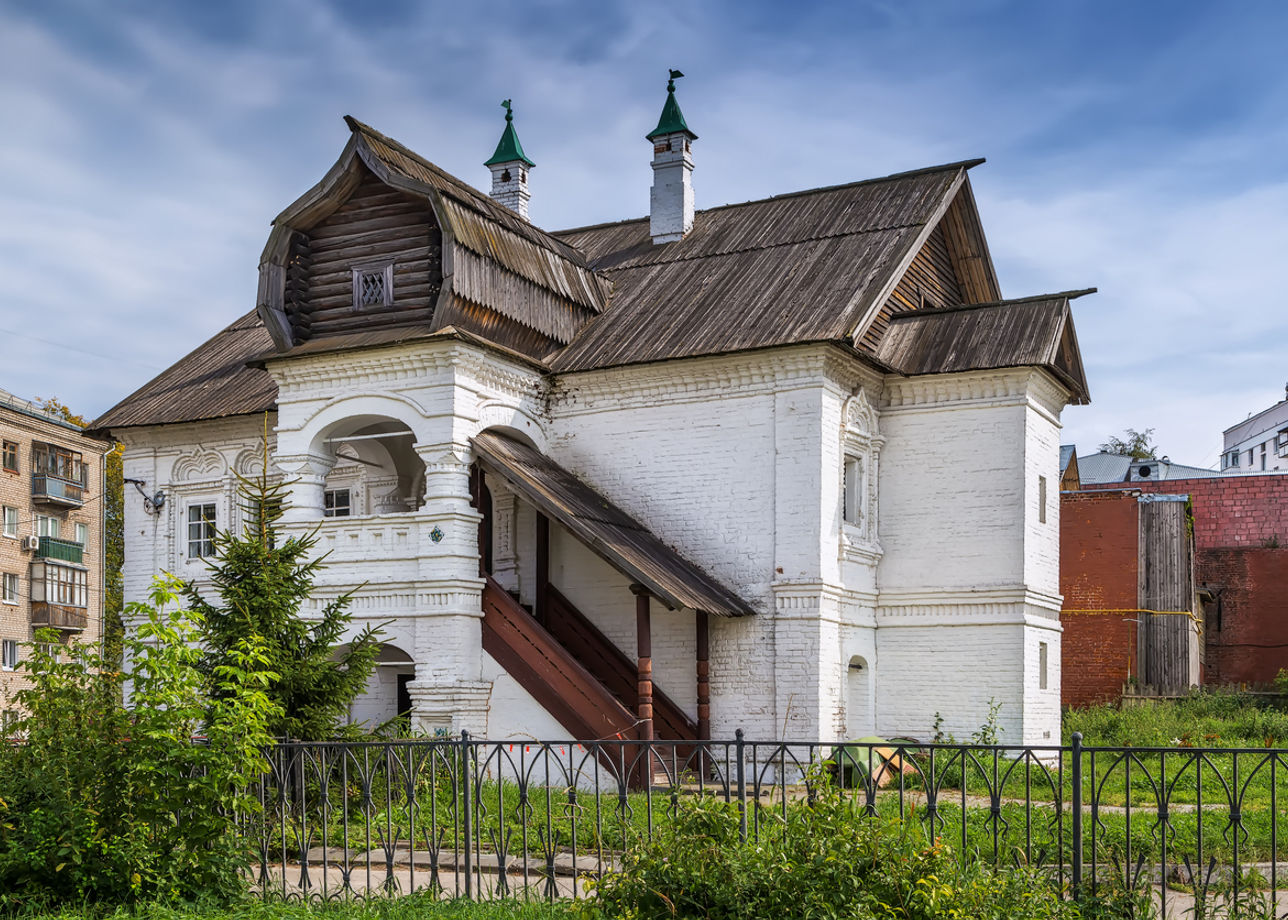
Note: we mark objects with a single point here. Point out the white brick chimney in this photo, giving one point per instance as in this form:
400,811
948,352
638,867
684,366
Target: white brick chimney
510,167
671,199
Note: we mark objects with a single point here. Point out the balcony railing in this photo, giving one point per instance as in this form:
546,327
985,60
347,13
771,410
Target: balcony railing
56,616
62,550
54,490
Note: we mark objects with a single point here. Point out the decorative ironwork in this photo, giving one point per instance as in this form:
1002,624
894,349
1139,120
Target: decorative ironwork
534,819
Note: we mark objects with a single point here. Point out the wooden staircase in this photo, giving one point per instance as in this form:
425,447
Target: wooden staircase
577,675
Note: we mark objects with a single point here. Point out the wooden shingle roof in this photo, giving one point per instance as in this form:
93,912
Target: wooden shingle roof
1028,332
796,268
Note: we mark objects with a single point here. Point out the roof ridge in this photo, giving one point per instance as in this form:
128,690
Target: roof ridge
1033,298
925,170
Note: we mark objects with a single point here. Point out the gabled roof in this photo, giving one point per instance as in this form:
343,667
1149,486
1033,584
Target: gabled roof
806,267
610,532
1030,332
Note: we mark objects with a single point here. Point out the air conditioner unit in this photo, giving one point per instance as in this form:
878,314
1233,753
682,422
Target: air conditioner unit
31,543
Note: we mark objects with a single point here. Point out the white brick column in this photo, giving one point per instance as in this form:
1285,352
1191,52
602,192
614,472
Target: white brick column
305,476
449,693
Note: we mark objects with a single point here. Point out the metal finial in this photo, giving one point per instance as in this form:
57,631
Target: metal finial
670,84
509,115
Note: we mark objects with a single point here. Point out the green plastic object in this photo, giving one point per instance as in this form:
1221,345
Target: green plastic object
508,149
672,120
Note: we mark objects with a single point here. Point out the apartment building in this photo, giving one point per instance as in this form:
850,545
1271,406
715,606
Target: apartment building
51,536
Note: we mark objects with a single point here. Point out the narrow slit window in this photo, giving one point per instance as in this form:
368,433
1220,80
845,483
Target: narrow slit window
1042,499
852,492
1042,665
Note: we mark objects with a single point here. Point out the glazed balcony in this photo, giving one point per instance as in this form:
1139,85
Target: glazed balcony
61,550
57,616
54,490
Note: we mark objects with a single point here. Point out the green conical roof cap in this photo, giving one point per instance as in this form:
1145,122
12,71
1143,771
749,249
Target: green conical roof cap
508,148
672,120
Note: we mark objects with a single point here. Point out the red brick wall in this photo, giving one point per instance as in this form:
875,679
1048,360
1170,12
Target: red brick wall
1248,641
1229,510
1099,550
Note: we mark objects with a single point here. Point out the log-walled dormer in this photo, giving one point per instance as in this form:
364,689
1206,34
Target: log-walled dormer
387,240
376,261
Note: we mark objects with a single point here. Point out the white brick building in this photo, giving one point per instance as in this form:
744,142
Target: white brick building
796,456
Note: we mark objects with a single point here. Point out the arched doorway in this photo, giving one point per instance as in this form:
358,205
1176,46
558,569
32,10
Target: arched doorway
386,700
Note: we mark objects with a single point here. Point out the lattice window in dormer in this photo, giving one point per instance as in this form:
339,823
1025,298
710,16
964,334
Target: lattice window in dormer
373,286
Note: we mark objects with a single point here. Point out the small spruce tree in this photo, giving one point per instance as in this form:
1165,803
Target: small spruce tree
261,582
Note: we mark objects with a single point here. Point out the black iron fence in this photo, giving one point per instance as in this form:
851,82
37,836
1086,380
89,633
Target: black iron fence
523,818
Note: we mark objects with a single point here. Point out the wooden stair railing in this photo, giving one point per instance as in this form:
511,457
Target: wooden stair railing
549,672
610,666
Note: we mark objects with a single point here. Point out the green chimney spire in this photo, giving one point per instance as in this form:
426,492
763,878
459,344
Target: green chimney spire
508,149
672,120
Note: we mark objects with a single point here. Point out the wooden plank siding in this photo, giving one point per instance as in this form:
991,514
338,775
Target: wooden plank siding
376,224
930,281
1167,638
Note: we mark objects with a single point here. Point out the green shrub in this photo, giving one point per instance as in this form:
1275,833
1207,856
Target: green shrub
103,803
824,859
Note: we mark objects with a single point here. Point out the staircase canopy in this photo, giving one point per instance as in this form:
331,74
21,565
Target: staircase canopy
607,530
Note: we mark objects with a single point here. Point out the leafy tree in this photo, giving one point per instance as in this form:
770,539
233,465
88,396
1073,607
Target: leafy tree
104,803
1139,445
261,581
113,531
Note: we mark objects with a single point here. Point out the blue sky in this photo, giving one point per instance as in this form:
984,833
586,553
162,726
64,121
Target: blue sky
1135,147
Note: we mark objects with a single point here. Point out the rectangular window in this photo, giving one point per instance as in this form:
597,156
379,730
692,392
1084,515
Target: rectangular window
8,721
82,535
10,521
47,526
337,503
62,585
8,654
1234,458
1042,499
201,531
9,456
373,286
12,588
1042,665
1263,455
852,492
59,462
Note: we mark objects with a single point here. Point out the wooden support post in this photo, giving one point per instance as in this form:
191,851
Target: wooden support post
704,677
543,568
644,669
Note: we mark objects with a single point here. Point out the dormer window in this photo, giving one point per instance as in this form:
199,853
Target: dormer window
373,286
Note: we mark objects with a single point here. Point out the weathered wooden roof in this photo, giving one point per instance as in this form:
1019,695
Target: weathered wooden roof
608,530
213,381
1030,332
795,268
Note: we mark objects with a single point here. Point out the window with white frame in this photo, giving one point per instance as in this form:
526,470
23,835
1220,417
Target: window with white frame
861,444
201,530
47,526
10,521
1042,499
82,535
8,720
8,654
1042,665
58,584
12,589
337,503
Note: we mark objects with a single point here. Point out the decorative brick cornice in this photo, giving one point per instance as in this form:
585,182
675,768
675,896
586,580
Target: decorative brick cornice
696,380
1019,386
